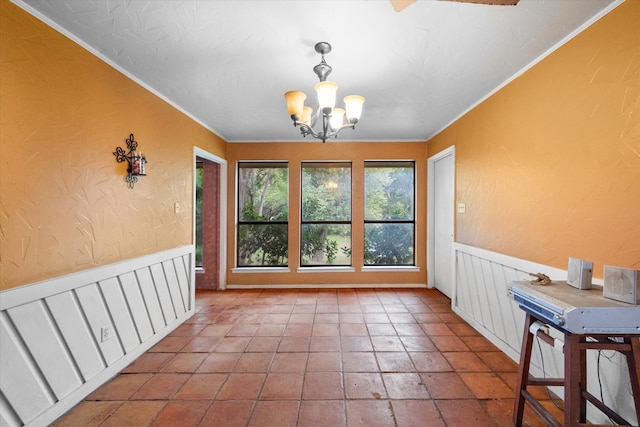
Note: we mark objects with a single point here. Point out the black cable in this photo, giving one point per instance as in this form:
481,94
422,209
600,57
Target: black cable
600,381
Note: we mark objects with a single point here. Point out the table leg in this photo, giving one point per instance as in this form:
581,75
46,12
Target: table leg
523,371
572,379
583,381
633,363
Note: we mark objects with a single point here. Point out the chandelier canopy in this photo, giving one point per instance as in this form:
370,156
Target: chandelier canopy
333,119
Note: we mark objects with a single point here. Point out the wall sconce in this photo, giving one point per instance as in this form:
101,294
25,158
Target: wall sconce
137,162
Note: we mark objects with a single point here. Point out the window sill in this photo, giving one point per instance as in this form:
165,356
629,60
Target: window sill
398,268
326,270
261,270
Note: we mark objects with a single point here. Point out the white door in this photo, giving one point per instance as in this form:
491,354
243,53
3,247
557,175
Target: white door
441,211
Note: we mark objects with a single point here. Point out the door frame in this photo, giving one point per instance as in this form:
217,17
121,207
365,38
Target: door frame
450,151
222,207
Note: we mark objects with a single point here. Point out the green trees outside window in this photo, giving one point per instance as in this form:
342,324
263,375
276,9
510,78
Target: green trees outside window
325,234
263,213
389,213
199,177
326,218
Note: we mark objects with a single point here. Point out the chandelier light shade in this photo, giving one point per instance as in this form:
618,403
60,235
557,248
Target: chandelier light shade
353,105
332,119
326,95
307,112
295,102
337,118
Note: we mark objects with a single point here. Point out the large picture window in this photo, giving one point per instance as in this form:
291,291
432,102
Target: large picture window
389,213
263,214
326,214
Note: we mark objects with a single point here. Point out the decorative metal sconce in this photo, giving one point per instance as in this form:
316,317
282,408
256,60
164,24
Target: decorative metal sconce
137,162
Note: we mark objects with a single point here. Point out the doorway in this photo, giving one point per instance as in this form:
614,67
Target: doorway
209,220
440,227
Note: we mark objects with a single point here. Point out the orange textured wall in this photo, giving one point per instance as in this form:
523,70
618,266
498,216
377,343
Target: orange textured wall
549,166
64,205
357,153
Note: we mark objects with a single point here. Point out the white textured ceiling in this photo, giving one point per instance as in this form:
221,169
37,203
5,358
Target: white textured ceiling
228,63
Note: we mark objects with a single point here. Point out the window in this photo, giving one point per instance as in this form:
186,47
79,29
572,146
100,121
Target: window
263,213
389,224
326,214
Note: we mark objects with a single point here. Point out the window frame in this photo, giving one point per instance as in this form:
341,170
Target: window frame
389,163
303,222
239,221
198,232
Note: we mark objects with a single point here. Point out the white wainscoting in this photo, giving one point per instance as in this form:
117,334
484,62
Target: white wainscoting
481,297
52,351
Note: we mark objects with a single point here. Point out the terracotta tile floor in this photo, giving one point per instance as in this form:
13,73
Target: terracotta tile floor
364,357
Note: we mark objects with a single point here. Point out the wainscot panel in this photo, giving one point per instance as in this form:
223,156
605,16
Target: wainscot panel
63,338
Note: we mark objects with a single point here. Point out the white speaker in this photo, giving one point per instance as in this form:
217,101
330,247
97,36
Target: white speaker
621,284
580,273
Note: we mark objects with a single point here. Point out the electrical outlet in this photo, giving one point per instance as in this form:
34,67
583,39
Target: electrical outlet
462,208
105,333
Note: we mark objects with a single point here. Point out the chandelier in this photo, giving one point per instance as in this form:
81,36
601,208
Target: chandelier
333,119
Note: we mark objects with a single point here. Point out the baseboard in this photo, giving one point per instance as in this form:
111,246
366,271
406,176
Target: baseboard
332,286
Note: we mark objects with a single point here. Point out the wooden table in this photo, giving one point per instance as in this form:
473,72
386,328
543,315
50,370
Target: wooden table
575,371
